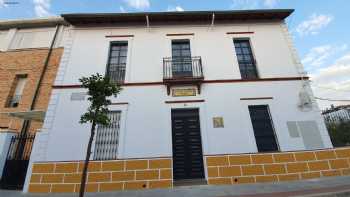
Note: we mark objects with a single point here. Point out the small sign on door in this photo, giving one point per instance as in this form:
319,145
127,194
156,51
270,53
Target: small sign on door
218,122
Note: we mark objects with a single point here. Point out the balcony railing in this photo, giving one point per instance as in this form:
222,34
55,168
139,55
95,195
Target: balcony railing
182,68
116,73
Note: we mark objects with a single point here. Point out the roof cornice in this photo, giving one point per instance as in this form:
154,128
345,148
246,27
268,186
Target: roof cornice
186,17
32,23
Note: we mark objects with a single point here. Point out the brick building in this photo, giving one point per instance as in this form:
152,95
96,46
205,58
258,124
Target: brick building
25,57
30,53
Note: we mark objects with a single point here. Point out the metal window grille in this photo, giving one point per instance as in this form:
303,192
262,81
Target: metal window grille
106,144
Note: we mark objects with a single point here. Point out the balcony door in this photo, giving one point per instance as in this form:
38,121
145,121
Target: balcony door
181,58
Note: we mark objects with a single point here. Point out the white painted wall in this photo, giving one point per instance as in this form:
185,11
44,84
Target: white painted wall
146,120
148,47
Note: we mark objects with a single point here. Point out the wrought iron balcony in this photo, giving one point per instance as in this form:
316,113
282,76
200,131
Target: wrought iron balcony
182,68
182,71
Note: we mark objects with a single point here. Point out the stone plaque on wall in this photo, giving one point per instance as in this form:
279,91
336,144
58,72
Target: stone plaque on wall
218,122
184,92
77,96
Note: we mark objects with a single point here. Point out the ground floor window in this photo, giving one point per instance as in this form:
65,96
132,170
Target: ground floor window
263,128
107,137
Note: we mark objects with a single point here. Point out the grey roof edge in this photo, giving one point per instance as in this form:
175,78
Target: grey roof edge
289,11
64,18
32,23
77,19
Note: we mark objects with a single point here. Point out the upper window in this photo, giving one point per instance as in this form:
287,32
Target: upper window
245,59
181,54
117,61
16,91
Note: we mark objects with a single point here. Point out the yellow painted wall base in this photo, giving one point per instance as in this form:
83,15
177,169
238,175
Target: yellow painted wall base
102,176
275,167
134,174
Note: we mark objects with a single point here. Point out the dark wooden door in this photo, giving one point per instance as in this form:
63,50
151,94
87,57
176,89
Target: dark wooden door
263,128
187,145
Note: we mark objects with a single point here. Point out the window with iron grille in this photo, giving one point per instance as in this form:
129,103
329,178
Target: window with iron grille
245,59
117,61
107,138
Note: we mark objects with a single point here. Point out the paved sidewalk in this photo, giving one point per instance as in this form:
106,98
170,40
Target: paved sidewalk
317,187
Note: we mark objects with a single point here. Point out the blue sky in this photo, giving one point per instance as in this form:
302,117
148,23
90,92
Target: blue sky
320,29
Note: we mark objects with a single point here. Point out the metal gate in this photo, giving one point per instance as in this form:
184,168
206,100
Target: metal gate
17,160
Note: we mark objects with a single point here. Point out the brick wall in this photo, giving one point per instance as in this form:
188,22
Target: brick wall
102,176
30,62
274,167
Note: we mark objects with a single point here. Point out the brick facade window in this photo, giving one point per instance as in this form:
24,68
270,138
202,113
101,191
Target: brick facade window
16,90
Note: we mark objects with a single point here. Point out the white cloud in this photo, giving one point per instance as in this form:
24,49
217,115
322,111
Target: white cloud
314,24
244,4
122,9
42,7
340,70
176,8
333,82
317,56
270,3
138,4
2,4
253,4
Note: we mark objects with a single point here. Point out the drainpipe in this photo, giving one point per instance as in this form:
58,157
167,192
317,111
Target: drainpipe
26,123
47,60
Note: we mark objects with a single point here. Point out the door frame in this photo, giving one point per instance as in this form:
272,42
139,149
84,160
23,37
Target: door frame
203,129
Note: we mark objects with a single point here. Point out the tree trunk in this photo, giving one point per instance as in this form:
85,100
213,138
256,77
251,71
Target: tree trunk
87,158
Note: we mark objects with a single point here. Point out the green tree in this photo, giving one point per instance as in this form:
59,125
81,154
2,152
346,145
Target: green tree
339,132
99,89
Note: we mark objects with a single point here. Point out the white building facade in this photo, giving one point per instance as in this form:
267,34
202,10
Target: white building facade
195,84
